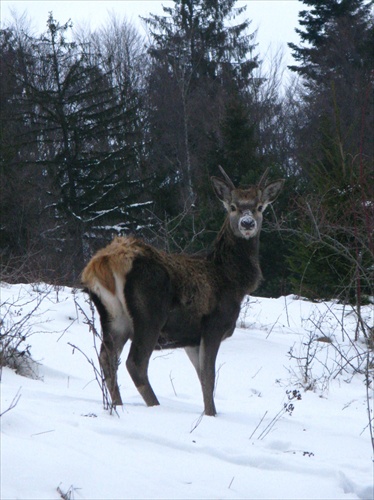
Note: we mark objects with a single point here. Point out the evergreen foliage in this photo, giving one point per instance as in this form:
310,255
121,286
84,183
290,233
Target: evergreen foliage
333,252
102,134
336,33
198,86
79,148
119,140
199,63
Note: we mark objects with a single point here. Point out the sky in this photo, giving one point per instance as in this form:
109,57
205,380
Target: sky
275,20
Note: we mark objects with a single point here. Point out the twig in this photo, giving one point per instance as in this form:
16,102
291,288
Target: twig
13,403
271,424
171,381
368,382
258,371
272,328
232,480
287,408
99,376
286,307
197,423
108,405
43,432
217,378
69,495
258,425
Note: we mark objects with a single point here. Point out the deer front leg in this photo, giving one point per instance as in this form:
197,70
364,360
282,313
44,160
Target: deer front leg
207,361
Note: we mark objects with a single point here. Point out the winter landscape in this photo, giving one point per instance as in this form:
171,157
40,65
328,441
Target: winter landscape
293,394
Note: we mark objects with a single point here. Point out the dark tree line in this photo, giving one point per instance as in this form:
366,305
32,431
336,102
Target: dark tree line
335,151
105,133
72,138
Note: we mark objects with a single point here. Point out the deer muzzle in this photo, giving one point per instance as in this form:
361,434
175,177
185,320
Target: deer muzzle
247,226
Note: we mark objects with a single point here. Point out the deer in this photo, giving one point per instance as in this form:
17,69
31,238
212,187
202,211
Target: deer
163,300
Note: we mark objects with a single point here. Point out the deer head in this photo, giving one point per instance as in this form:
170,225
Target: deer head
245,206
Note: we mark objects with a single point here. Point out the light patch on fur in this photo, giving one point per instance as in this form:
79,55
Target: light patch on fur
115,304
202,355
193,354
124,320
105,275
109,300
114,259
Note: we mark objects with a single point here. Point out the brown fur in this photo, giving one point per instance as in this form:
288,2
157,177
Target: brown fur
189,274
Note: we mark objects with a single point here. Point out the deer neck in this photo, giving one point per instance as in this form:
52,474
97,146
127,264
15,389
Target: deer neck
237,260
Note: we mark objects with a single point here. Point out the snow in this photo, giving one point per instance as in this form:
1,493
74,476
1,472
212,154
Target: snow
58,439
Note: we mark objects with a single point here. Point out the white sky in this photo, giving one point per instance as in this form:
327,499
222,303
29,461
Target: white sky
276,20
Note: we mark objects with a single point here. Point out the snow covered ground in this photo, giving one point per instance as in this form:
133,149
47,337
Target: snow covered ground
58,440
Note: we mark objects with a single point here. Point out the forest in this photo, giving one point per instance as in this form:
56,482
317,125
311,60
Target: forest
105,132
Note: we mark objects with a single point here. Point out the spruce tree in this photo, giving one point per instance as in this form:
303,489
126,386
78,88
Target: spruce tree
80,147
332,255
198,63
333,33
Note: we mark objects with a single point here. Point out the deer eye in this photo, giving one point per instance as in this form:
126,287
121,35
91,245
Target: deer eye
233,208
260,208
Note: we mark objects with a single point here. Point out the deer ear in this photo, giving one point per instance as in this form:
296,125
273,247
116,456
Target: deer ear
271,191
222,190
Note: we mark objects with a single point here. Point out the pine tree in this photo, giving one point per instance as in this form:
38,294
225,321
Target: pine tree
336,33
332,255
81,144
198,65
196,60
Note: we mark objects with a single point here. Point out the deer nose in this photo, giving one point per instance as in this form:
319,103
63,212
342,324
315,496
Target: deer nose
247,223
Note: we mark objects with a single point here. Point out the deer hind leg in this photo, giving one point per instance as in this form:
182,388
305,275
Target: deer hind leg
148,323
148,296
110,353
137,366
116,330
